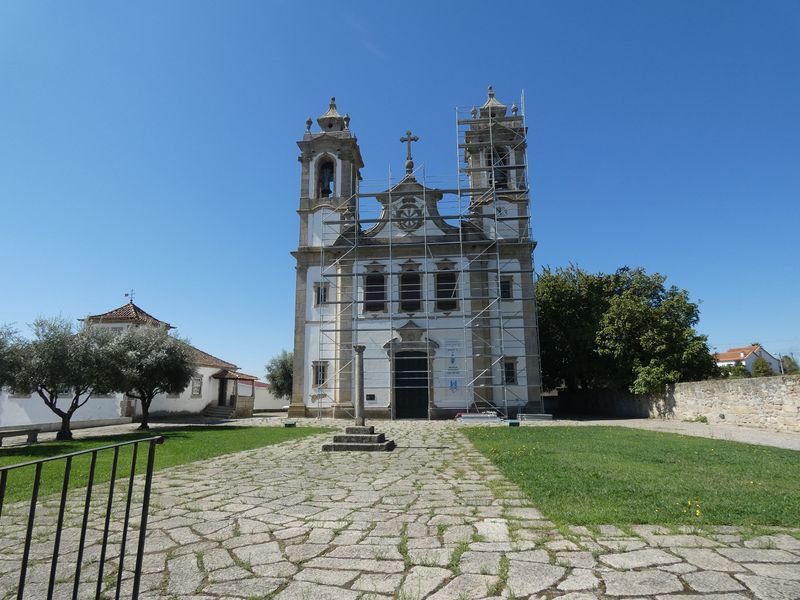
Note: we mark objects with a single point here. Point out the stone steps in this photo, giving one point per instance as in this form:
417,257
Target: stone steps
386,446
347,438
360,439
218,412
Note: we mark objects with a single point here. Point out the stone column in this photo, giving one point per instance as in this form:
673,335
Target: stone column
359,376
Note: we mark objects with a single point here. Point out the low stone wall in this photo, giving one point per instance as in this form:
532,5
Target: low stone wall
764,402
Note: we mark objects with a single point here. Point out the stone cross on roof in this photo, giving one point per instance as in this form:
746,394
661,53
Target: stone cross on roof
407,139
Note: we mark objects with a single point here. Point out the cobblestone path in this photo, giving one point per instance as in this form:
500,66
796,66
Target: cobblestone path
433,519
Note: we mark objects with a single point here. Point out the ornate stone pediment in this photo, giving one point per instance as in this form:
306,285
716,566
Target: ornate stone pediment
411,337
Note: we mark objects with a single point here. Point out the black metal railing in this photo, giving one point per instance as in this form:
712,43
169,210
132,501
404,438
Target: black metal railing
58,526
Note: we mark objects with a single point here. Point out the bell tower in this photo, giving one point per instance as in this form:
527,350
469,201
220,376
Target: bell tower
494,153
330,165
330,162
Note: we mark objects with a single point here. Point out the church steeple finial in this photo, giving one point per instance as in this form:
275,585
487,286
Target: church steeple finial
493,107
407,139
331,120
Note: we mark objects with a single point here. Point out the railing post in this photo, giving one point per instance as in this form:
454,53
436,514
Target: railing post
151,454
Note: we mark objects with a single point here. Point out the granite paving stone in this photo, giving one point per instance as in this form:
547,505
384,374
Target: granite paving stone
712,581
645,583
768,588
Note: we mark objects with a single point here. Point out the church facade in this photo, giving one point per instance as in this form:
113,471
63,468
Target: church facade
433,284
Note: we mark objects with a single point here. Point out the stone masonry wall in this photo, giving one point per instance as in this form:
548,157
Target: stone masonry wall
765,402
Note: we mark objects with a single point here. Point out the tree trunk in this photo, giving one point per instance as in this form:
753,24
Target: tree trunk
145,426
64,433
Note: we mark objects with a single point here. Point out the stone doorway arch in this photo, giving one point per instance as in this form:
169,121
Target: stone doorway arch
411,355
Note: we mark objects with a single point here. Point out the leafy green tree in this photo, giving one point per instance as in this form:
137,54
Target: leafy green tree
279,373
149,362
620,330
790,366
648,330
571,303
735,371
9,354
761,368
62,364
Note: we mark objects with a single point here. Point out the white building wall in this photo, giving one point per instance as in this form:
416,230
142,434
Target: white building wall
31,410
266,400
185,402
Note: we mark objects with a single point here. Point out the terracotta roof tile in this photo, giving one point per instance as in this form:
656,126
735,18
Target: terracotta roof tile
204,359
128,313
228,374
736,353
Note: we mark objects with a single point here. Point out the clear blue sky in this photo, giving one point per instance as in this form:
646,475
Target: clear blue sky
152,145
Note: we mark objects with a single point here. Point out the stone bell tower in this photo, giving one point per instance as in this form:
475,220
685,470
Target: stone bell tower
330,164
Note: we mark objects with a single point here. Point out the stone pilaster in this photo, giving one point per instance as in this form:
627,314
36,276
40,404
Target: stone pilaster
532,360
297,407
343,366
481,334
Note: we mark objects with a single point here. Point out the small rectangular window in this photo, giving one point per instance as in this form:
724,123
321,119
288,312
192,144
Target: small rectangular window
320,373
370,397
197,386
375,292
446,290
506,290
410,292
320,293
510,371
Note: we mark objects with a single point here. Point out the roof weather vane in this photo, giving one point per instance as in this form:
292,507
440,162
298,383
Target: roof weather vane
130,295
407,139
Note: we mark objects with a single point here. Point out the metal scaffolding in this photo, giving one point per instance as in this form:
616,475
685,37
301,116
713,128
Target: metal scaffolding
384,271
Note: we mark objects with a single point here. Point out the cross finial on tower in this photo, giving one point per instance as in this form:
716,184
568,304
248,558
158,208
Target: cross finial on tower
407,139
130,295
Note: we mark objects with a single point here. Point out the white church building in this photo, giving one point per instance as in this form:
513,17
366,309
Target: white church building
436,283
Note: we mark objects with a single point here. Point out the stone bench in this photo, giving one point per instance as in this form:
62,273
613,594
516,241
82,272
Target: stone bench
32,433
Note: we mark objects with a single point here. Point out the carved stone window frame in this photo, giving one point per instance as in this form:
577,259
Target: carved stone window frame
319,373
510,375
506,279
375,268
446,266
322,290
411,267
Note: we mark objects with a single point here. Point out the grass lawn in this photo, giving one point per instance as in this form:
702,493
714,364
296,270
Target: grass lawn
181,445
617,475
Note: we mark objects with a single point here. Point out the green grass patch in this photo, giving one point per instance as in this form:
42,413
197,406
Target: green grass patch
617,475
181,445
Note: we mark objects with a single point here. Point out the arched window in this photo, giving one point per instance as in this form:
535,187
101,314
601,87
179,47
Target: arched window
326,178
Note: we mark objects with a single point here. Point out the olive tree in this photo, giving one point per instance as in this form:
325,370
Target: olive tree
9,353
279,373
64,367
150,361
